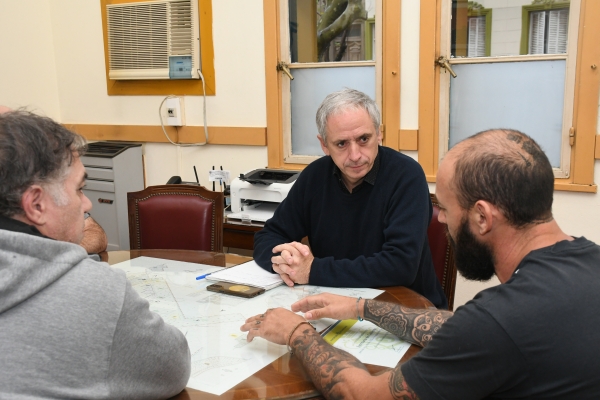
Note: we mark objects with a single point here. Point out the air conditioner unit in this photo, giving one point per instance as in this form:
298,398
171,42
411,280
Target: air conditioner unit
153,40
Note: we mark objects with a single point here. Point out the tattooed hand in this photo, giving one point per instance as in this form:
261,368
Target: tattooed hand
327,305
274,325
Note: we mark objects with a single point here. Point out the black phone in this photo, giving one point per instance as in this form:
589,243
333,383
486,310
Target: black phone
235,289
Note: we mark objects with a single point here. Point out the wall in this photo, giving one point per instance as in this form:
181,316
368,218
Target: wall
28,63
60,72
240,99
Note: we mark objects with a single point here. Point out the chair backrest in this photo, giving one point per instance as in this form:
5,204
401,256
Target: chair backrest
441,253
181,217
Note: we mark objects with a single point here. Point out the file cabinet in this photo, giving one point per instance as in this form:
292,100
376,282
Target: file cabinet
113,169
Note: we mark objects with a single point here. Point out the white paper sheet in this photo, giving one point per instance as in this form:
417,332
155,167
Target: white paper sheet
249,273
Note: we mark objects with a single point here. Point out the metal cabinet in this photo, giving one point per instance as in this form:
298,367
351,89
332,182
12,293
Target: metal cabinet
113,169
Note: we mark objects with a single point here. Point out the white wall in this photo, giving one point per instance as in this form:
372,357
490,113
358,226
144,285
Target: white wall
240,80
28,63
53,61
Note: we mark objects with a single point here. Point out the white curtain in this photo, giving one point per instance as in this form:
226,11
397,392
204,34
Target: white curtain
476,44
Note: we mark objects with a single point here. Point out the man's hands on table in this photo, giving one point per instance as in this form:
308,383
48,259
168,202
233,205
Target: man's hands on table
334,372
276,325
292,262
328,305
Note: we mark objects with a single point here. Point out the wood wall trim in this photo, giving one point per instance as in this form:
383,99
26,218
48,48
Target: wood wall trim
573,187
559,184
587,90
247,136
272,81
597,152
167,87
391,73
429,87
408,139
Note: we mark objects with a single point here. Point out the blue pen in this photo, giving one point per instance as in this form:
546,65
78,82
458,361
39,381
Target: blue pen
202,276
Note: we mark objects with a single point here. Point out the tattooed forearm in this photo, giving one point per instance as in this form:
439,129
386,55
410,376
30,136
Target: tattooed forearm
399,388
324,363
414,325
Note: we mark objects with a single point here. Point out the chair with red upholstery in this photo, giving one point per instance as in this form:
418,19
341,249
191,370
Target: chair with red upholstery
181,217
441,253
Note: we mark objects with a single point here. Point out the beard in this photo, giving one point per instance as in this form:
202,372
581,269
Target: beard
474,260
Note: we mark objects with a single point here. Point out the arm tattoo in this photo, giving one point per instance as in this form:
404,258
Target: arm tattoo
324,363
415,325
399,388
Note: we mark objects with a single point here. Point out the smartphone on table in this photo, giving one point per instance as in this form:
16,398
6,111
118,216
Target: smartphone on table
235,289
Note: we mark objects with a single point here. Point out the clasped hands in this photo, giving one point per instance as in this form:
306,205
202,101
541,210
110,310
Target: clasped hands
277,325
292,262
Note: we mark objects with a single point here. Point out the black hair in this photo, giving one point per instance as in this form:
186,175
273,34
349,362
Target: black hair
510,170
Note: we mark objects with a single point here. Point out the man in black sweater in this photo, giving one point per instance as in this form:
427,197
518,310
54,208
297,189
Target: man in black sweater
365,209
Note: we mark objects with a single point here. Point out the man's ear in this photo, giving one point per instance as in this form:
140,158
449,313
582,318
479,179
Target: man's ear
323,146
482,214
34,204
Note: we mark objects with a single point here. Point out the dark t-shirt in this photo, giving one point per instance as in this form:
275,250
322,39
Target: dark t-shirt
534,337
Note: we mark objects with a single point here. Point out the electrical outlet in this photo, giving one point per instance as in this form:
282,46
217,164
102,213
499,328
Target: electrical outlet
175,114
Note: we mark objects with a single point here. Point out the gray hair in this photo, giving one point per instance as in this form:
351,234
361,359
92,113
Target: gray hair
33,150
343,100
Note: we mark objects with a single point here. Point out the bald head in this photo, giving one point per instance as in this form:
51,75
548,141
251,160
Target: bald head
4,109
506,168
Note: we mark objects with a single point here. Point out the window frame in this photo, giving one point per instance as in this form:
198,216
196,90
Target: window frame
284,39
178,87
526,16
387,83
585,98
564,169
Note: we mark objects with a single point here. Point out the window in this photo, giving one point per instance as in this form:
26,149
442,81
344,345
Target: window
480,29
548,31
581,84
476,43
326,51
545,27
291,43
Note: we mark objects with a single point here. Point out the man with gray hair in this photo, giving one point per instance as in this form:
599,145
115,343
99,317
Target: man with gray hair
365,209
94,238
70,327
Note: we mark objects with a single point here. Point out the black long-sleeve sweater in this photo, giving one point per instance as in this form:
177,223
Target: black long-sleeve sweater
373,237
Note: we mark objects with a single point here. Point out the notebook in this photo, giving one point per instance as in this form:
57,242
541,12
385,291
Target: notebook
249,273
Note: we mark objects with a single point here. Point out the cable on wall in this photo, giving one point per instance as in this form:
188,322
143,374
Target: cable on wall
162,125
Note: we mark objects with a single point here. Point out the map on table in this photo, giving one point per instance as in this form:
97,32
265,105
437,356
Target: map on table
367,342
221,357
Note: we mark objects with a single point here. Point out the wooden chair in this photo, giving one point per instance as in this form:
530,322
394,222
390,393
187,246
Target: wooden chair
181,217
442,254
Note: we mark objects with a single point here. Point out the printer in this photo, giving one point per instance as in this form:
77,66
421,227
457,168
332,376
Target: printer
256,194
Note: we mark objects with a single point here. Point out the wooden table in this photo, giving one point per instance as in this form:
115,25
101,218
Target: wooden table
285,377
